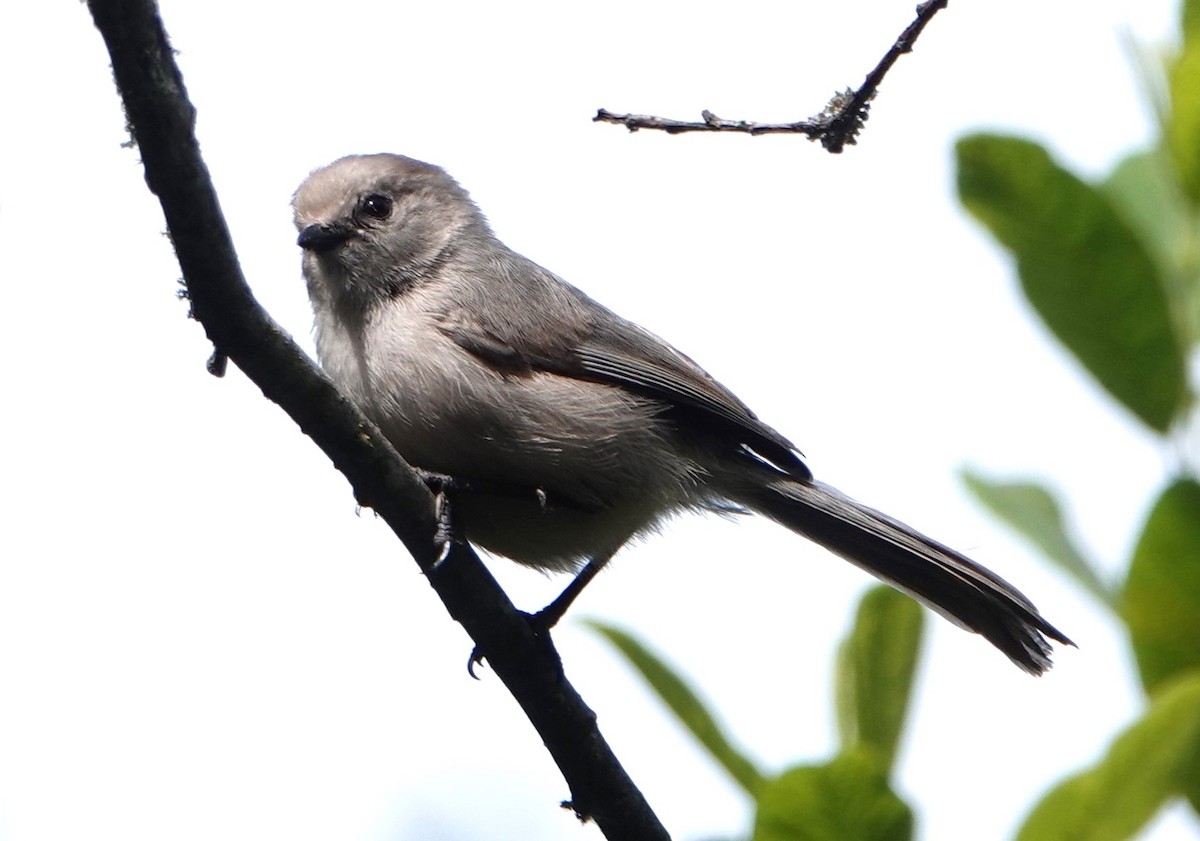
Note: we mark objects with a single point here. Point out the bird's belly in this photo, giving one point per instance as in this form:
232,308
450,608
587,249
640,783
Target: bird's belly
547,535
577,468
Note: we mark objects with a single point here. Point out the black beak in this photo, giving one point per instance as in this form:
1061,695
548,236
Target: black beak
323,238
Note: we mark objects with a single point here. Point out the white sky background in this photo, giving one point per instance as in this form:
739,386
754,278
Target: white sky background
198,637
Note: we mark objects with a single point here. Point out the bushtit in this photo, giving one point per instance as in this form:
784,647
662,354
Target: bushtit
565,429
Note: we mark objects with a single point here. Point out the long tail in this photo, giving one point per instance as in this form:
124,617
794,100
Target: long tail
966,593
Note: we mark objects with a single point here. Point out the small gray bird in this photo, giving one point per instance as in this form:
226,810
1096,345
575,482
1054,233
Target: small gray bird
565,430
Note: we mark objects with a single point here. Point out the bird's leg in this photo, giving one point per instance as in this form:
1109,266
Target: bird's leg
548,616
449,530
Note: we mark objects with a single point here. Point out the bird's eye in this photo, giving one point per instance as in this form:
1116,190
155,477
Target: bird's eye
376,206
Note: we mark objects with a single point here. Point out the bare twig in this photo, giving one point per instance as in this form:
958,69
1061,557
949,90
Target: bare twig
161,119
836,127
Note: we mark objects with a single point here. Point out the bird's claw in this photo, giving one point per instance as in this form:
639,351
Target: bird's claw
448,532
540,623
475,659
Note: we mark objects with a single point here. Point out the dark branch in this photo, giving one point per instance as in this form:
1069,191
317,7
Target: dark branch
836,127
161,119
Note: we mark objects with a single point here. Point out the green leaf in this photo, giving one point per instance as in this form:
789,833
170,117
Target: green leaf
1145,766
1190,19
1162,593
1181,133
876,665
1146,191
1032,511
686,705
1183,127
1143,190
1082,268
847,799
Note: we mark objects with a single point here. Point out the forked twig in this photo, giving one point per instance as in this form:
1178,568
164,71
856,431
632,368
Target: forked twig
837,126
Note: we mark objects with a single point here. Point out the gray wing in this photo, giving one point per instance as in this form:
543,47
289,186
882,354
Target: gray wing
589,342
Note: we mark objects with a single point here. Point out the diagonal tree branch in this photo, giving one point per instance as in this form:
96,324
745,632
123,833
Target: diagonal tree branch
837,126
161,119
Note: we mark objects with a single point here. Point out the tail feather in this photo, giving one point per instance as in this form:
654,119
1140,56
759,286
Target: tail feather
950,583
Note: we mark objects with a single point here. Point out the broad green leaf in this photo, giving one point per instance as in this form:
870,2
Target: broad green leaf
1145,190
876,664
1082,268
1183,127
1182,141
847,799
1190,19
1032,511
686,705
1145,766
1162,593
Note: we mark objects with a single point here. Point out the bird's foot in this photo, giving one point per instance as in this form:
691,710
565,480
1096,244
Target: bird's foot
449,530
540,623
